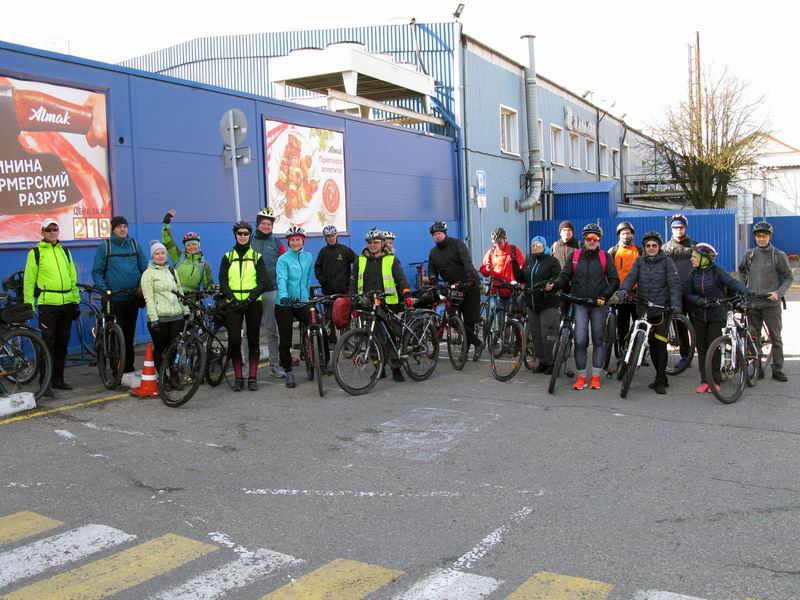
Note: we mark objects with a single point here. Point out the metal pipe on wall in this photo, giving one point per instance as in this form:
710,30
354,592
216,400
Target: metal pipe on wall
534,176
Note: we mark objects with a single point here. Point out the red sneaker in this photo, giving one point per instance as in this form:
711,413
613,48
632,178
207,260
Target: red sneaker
595,382
580,383
702,388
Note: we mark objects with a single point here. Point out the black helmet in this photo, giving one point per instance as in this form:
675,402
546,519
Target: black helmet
438,226
654,236
499,234
762,227
242,225
592,228
625,225
706,250
680,218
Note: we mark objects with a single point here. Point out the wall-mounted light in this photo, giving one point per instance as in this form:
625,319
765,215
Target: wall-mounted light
458,11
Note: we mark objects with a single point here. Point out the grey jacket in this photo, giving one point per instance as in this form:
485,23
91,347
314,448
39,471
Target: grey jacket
761,275
657,279
681,255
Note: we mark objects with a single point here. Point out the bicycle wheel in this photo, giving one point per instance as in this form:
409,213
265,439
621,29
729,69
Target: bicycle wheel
562,351
637,347
181,371
305,351
483,328
25,363
530,351
508,353
217,359
111,356
752,356
85,329
357,361
420,346
318,358
728,386
674,364
456,342
610,340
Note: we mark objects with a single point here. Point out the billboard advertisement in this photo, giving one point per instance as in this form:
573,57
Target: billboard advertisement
305,177
53,161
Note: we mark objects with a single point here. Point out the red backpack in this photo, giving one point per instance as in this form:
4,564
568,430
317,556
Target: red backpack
577,254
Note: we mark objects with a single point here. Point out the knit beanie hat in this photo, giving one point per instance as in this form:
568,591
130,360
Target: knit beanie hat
118,220
566,224
156,245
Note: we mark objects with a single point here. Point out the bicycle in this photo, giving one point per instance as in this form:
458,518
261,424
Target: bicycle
614,346
313,340
737,352
566,336
675,366
23,353
508,345
451,326
492,316
109,341
359,356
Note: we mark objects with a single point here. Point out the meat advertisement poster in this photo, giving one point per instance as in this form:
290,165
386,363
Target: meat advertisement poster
305,177
53,161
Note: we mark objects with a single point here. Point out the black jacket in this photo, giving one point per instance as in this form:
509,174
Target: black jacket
373,275
706,284
681,255
546,268
450,260
562,251
657,281
332,268
589,280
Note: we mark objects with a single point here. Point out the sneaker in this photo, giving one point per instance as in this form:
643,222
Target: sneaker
659,386
61,385
682,363
290,380
397,375
580,383
540,368
777,375
238,385
476,356
595,382
252,384
702,388
277,372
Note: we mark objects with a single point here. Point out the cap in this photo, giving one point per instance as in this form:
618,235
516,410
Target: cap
47,222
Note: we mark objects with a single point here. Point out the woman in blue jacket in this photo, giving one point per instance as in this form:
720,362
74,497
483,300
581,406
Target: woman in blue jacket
293,271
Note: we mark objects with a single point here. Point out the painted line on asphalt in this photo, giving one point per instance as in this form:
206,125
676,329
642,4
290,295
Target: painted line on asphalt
444,584
560,587
351,493
49,411
25,524
482,548
657,595
147,435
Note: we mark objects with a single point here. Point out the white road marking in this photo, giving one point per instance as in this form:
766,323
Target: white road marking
37,557
445,584
657,595
491,540
142,434
65,434
351,493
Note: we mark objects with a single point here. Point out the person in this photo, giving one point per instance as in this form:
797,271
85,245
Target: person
242,280
193,270
450,259
118,266
389,238
566,244
765,270
591,274
624,253
502,262
51,281
656,280
332,269
377,271
679,249
294,277
267,245
707,281
543,310
165,311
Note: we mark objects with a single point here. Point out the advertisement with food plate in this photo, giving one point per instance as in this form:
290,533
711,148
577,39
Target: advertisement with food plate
305,177
53,161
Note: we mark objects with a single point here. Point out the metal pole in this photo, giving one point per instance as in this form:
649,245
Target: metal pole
763,194
231,129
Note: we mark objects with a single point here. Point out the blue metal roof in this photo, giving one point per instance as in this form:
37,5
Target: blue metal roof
585,187
626,214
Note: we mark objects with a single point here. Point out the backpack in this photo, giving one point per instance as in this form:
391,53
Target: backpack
126,255
37,257
577,255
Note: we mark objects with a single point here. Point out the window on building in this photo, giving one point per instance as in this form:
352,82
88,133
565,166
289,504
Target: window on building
591,156
509,128
574,150
556,145
615,165
604,160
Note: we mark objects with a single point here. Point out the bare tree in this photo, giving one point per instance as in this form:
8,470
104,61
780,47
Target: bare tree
708,140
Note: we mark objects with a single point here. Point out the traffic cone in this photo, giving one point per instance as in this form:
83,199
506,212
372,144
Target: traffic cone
149,386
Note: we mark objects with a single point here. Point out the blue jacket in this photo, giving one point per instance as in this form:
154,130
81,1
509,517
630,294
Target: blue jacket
294,275
119,272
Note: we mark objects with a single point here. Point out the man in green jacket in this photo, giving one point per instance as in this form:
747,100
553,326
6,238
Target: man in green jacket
193,270
51,280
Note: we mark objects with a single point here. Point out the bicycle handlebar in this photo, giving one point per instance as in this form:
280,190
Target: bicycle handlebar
93,289
576,299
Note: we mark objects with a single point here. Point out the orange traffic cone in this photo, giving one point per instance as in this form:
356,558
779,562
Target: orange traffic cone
149,386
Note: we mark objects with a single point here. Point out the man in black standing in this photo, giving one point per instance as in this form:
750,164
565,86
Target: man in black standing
332,270
679,249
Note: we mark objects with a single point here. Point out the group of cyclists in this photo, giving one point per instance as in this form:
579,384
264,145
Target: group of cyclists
264,282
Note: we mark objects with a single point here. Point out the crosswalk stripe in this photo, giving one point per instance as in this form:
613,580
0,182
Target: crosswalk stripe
118,572
338,580
235,574
657,595
445,584
24,524
36,557
552,586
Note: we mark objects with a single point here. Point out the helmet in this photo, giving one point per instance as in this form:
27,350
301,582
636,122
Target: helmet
653,236
706,250
762,227
191,236
265,213
592,228
242,225
499,234
680,218
389,235
329,230
625,225
374,234
295,230
438,226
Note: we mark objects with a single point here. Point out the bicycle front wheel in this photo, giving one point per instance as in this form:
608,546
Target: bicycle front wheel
25,363
562,351
111,356
456,342
318,357
181,371
752,352
629,367
610,340
217,360
305,351
675,364
357,361
508,350
420,346
728,385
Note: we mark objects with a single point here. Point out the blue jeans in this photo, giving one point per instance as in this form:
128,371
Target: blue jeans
584,316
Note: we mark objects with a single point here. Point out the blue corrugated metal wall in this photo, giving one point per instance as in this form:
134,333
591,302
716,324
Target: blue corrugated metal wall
593,200
786,234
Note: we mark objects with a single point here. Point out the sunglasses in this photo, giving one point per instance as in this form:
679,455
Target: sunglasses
242,233
762,235
651,245
592,238
51,229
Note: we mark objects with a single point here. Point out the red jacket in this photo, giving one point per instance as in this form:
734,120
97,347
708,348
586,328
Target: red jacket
498,264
